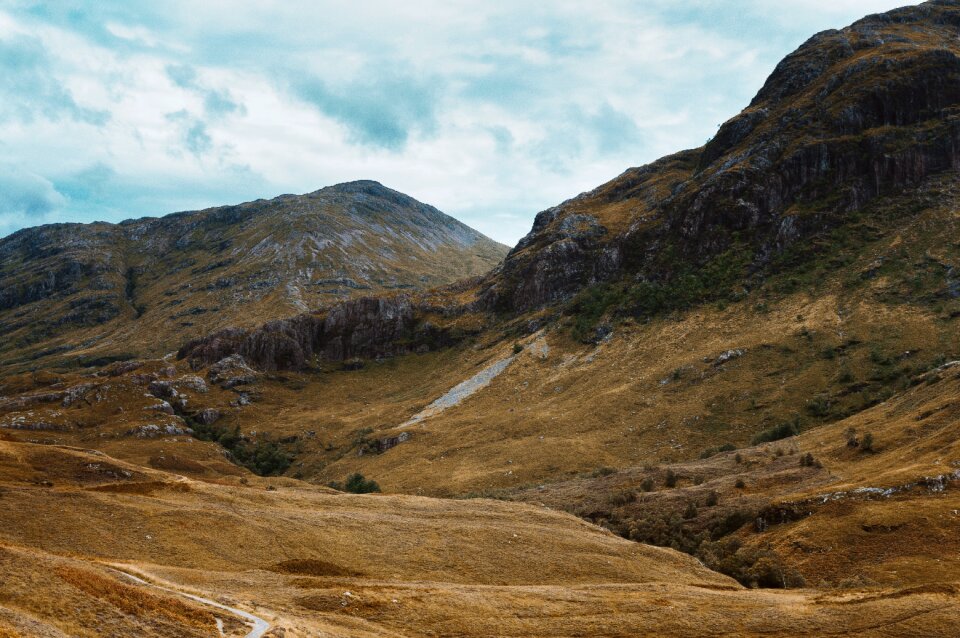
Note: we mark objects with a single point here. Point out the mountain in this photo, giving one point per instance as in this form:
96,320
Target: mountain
811,169
745,352
83,292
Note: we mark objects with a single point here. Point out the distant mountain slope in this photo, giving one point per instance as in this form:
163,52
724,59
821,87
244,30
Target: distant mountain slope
143,286
845,142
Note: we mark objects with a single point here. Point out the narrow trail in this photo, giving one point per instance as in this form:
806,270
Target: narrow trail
259,625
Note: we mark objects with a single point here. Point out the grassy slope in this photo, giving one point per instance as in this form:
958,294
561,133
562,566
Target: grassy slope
412,565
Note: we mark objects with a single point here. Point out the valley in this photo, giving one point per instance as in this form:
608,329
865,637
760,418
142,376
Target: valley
718,395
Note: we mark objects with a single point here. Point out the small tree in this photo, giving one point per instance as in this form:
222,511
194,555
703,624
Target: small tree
671,480
713,498
867,444
647,484
691,511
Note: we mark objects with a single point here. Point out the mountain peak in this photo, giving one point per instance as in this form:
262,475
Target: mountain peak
152,280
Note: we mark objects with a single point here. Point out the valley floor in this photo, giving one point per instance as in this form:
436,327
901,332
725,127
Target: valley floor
312,562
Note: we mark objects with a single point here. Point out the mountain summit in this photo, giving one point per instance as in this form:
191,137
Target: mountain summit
143,285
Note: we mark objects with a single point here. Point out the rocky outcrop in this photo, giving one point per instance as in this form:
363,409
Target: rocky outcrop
869,110
208,416
368,327
379,446
231,371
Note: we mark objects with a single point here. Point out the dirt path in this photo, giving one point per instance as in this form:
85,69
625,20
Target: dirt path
259,625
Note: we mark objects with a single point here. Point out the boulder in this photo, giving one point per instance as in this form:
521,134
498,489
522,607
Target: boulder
231,371
207,416
192,382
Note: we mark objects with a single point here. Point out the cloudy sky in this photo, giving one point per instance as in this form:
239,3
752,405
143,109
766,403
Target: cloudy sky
490,110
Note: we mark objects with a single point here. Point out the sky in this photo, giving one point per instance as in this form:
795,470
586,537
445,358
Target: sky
489,110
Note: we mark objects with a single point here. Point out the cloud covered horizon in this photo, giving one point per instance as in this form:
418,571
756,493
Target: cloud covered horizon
490,111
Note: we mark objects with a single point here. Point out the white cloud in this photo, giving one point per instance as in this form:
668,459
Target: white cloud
491,111
26,196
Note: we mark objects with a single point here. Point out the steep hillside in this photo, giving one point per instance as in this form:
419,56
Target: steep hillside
84,292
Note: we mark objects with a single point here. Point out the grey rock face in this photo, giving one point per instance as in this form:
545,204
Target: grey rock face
231,371
208,416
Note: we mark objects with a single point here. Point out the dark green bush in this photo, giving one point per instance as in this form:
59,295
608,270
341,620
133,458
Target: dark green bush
671,479
752,567
356,484
777,432
819,406
260,455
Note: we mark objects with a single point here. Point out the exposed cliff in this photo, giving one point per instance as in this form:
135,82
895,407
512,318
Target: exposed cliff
854,114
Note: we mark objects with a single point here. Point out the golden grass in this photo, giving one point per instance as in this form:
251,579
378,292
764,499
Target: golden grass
134,600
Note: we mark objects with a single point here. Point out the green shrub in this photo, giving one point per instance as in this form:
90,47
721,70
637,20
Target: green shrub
879,357
691,511
712,498
867,444
647,484
845,376
752,567
623,497
260,455
671,479
777,432
819,406
356,484
740,484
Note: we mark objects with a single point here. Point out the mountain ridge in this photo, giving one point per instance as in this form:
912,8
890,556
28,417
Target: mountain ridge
195,270
853,115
